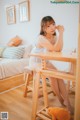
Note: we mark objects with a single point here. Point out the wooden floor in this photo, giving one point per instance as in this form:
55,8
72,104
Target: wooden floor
19,108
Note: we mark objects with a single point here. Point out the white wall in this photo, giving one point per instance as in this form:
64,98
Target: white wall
65,14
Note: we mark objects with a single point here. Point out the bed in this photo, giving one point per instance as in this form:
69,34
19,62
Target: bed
12,68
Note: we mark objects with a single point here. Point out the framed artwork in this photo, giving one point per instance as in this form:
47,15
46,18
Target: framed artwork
10,13
24,11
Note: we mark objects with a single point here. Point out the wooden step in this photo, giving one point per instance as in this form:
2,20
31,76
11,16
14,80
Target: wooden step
43,114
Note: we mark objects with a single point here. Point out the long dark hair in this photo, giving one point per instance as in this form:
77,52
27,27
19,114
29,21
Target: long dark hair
46,20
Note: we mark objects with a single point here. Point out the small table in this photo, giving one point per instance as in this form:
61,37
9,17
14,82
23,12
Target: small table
58,56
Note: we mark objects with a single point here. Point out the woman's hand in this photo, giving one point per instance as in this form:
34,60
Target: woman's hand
60,28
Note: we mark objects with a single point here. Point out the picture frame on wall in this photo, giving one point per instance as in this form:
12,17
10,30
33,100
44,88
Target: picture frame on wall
10,13
24,11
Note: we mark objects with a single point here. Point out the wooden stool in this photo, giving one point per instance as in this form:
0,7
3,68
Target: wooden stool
28,77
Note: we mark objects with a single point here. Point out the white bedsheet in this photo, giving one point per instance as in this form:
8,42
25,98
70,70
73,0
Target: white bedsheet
11,67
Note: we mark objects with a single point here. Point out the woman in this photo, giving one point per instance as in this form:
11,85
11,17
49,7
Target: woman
48,40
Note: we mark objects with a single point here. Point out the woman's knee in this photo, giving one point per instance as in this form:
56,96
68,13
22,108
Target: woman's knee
49,65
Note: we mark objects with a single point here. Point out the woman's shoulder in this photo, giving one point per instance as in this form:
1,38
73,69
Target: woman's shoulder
41,36
41,40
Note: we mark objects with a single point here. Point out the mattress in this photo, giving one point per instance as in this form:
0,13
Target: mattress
11,67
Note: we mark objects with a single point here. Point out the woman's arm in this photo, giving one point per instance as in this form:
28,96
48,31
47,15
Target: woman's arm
59,44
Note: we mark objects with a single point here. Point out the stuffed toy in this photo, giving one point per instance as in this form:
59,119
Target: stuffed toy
15,41
59,113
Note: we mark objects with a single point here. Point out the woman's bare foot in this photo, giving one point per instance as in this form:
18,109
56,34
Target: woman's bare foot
61,101
69,107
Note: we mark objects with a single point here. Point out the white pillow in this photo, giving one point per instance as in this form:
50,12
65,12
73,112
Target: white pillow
13,52
28,49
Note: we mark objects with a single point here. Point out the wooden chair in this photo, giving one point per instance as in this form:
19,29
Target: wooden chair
46,73
38,74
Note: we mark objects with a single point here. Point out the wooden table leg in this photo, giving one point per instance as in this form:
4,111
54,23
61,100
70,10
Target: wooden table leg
35,96
77,96
45,94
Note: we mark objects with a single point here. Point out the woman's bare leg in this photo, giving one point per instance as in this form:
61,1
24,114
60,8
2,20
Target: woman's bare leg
55,88
63,91
59,87
64,94
55,85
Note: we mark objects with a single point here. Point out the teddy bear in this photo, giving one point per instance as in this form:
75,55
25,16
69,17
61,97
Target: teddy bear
59,113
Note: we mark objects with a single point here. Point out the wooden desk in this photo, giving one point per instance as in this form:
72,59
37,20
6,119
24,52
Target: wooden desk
58,56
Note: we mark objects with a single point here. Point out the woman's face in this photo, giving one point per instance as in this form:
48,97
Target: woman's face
50,28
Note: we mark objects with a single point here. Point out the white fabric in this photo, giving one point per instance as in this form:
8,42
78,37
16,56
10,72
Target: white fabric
10,67
28,49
